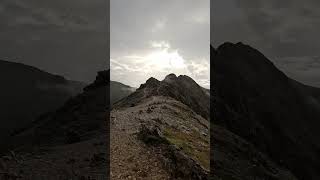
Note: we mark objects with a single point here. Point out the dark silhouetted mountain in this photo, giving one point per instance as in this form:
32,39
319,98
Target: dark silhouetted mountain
119,91
27,92
181,88
73,140
260,104
83,114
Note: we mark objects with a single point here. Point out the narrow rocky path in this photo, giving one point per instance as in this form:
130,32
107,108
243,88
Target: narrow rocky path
133,158
130,158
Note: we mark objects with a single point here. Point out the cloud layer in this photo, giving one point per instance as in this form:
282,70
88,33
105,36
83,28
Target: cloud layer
155,38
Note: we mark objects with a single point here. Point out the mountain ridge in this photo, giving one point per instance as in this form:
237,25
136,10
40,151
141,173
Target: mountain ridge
176,87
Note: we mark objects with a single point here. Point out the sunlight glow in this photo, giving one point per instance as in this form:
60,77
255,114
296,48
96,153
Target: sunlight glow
165,59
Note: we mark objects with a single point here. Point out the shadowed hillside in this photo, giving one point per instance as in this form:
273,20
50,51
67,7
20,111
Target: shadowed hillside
275,114
27,92
69,143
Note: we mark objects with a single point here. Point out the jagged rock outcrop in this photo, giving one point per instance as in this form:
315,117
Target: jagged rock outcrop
101,80
256,101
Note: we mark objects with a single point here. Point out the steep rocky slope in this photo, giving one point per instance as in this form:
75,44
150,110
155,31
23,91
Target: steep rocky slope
27,92
157,133
277,115
71,142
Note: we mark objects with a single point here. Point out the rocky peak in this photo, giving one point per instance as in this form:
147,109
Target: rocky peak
170,78
102,79
243,53
172,75
243,61
152,80
150,83
188,81
229,45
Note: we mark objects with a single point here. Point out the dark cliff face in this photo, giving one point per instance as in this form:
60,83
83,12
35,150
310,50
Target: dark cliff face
181,88
255,100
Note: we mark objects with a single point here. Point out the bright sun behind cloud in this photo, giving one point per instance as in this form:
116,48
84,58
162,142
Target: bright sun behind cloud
163,59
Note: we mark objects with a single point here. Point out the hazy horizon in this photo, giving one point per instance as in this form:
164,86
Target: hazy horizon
152,38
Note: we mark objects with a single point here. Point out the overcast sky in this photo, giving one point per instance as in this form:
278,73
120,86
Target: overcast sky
65,37
286,31
152,38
